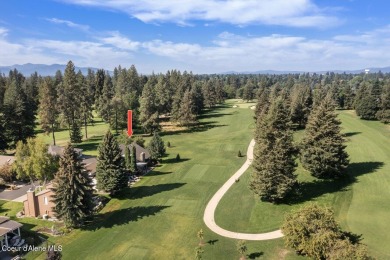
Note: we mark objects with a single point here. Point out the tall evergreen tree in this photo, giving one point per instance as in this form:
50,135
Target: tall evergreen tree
248,91
301,102
86,102
208,94
273,178
69,95
133,160
368,101
48,109
187,112
156,147
262,102
18,115
105,100
322,150
72,190
110,174
384,113
127,157
75,133
148,109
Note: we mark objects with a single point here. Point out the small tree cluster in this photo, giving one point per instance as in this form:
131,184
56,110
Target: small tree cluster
312,231
33,161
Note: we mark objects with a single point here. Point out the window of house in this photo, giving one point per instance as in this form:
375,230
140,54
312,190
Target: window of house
45,201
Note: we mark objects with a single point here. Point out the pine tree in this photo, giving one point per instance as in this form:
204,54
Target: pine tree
262,102
322,150
72,190
187,114
348,97
248,91
48,110
3,139
156,147
148,109
208,94
127,157
104,101
69,95
75,134
86,102
301,102
17,113
110,173
384,113
273,178
368,101
133,160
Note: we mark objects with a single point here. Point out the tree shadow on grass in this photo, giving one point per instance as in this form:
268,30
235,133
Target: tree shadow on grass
157,173
212,241
349,134
213,115
199,127
140,192
122,217
255,255
173,160
311,190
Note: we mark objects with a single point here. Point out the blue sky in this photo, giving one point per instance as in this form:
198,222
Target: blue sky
202,36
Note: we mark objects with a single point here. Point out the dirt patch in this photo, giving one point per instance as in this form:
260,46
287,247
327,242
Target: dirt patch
171,127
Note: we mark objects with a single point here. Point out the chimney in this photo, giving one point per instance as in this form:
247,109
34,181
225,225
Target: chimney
142,157
32,204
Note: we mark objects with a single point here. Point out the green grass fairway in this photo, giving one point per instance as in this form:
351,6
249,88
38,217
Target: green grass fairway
360,202
160,216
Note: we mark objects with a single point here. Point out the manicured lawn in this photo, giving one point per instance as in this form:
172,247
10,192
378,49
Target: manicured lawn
360,202
89,146
160,217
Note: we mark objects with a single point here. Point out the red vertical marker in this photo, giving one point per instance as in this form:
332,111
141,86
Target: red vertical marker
129,123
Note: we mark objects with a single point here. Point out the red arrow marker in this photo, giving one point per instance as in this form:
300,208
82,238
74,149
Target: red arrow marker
129,123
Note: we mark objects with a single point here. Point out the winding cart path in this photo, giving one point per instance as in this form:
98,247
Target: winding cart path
212,205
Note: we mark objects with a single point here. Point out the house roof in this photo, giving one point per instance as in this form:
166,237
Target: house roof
138,150
56,150
6,159
90,164
7,225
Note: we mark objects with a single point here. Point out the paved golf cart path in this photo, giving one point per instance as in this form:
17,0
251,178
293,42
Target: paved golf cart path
212,205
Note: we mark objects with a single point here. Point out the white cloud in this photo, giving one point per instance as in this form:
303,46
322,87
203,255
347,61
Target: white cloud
69,24
227,52
3,32
120,41
295,13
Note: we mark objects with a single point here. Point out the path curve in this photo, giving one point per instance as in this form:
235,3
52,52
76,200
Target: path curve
212,205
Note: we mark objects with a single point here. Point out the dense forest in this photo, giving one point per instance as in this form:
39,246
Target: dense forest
68,100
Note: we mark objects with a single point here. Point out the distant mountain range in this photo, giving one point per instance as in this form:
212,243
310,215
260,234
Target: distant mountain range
279,72
42,69
50,70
